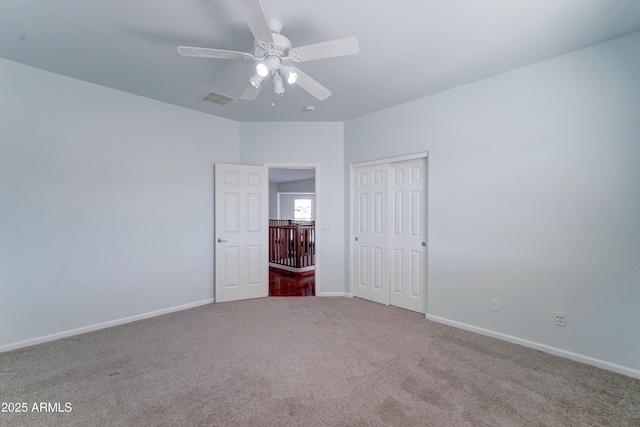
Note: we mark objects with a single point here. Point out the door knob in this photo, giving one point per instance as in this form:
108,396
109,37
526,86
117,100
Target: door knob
424,244
356,239
222,241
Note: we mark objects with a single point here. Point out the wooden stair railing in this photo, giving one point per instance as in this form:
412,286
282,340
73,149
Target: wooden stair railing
292,243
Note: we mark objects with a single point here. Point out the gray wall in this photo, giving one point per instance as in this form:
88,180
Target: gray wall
287,201
534,198
300,186
287,205
106,203
273,201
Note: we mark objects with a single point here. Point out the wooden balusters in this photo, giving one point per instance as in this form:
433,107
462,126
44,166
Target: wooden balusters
292,243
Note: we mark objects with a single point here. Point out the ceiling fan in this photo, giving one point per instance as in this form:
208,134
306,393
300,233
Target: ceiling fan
275,54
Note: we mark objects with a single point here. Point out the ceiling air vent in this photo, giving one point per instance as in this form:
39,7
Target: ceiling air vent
217,98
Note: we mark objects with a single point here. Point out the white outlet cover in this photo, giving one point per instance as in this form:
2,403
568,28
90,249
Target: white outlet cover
560,318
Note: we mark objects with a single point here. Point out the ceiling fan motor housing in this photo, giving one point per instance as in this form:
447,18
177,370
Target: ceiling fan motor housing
280,47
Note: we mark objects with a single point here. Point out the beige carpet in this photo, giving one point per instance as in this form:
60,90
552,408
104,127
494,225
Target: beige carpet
305,362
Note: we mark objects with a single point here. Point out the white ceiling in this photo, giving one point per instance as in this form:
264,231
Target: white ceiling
408,49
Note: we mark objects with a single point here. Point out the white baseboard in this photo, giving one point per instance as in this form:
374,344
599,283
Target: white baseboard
293,269
624,370
97,326
331,294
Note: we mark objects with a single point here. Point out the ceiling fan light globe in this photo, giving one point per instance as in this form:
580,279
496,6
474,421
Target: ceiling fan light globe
290,74
269,65
262,70
256,80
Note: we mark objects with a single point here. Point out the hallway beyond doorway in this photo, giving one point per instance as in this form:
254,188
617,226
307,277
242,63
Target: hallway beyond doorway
287,284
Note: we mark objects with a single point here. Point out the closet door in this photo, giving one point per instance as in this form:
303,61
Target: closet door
370,264
407,234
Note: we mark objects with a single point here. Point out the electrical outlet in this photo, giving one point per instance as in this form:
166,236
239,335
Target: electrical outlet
559,318
495,305
196,281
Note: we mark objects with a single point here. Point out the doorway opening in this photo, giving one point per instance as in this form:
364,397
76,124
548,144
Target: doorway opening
292,230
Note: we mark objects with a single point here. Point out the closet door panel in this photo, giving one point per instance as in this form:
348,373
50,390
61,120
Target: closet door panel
370,263
408,238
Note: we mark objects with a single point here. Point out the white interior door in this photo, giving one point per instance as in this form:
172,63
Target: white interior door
407,234
370,253
241,232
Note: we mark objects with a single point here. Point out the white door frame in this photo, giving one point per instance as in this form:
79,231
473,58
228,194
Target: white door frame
318,236
424,154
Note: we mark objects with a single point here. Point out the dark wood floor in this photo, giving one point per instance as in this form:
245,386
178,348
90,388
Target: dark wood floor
285,284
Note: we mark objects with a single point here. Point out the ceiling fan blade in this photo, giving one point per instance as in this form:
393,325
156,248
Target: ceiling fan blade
256,20
312,86
330,49
203,52
251,93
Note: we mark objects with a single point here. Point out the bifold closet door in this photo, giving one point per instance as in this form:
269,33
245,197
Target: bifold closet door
370,264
